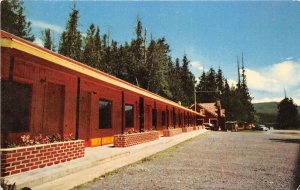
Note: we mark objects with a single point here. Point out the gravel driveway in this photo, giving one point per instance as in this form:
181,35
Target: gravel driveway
215,160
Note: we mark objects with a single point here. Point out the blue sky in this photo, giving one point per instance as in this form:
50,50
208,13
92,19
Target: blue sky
212,34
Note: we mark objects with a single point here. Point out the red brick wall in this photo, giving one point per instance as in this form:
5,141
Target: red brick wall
195,128
22,159
134,138
172,132
187,129
201,126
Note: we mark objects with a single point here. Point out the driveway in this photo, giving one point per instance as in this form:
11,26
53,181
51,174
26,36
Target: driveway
215,160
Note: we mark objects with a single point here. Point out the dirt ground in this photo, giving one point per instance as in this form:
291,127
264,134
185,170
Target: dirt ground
215,160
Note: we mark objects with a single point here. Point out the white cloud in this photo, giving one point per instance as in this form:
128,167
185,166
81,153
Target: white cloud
197,69
266,99
43,25
259,81
197,65
38,41
287,72
275,77
231,82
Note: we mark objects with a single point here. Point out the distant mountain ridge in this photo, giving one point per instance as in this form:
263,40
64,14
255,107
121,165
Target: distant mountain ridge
268,107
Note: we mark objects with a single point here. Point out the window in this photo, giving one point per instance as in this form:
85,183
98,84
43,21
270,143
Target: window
128,116
179,119
163,118
167,118
105,112
15,106
174,117
154,117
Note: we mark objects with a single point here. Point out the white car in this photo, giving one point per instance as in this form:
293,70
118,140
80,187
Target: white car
262,128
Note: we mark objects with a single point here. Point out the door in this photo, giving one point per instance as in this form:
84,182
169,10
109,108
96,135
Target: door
84,115
142,114
53,119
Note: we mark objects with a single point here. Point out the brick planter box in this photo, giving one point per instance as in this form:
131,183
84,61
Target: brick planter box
187,129
195,128
125,140
23,159
172,132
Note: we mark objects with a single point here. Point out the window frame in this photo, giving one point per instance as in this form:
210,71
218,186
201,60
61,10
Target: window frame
111,112
29,108
154,118
163,118
127,126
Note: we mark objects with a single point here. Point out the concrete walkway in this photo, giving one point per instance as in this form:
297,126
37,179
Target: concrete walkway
97,161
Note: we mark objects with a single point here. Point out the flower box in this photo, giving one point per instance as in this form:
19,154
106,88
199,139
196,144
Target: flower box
187,129
195,128
125,140
171,132
22,159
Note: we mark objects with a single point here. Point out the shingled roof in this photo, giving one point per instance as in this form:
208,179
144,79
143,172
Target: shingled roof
212,109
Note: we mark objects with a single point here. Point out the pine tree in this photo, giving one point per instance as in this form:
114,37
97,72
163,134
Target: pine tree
211,86
202,86
157,67
124,62
47,41
105,55
188,82
13,19
98,47
227,99
238,85
137,69
287,117
89,55
70,42
177,90
220,82
248,108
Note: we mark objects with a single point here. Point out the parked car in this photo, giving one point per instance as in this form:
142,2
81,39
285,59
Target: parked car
207,125
262,128
211,126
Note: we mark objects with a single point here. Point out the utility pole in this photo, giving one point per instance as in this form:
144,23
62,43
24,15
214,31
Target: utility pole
238,67
195,100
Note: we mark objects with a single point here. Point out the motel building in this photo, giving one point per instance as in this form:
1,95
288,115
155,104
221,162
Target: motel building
212,113
46,94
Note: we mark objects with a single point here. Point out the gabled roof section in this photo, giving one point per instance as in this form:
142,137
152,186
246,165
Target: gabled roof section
210,108
14,42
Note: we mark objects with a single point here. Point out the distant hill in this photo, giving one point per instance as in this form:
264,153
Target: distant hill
268,108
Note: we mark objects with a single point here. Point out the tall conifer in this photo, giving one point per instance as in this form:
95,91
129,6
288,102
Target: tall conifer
13,19
70,42
287,117
47,40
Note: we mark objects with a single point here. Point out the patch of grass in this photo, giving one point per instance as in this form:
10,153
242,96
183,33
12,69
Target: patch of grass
147,159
